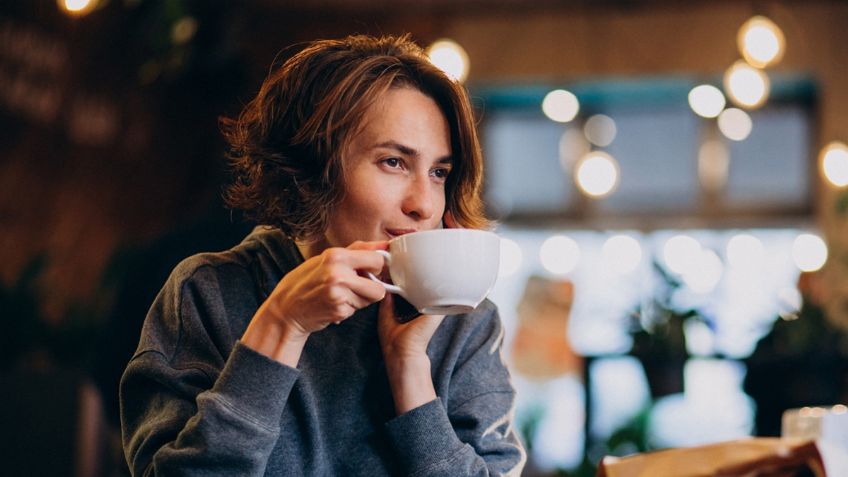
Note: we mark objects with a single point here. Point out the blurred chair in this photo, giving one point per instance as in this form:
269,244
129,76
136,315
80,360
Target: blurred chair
541,349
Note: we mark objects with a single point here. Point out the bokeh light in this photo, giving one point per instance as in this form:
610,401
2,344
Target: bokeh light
745,251
77,7
834,163
622,254
560,105
761,42
745,85
597,174
735,124
706,100
600,130
704,273
680,252
183,30
559,254
511,258
449,57
809,252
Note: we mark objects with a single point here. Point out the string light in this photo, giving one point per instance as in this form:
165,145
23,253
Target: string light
747,86
560,105
735,124
834,163
761,42
77,7
706,100
597,174
449,57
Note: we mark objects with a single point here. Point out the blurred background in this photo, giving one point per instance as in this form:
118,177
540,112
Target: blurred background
668,179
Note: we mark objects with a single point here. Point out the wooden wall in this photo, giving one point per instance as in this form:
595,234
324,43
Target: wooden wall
95,156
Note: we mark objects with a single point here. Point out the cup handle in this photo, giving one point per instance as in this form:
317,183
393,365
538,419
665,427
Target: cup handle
389,287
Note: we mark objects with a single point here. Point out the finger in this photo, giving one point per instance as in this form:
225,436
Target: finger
376,245
357,303
360,260
343,299
376,267
368,261
429,323
367,289
386,309
340,302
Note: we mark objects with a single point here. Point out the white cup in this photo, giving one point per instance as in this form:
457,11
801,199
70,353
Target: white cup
443,271
828,426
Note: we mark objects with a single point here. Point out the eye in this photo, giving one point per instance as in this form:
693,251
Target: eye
392,162
441,173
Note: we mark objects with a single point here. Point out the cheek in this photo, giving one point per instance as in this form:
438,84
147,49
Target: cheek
366,205
439,202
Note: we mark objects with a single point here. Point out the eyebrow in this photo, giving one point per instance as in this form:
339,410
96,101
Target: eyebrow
408,151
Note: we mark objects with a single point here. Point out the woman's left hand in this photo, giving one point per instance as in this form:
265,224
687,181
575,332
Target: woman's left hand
405,352
405,341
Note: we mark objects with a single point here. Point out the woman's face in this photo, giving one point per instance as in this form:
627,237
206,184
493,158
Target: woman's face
396,169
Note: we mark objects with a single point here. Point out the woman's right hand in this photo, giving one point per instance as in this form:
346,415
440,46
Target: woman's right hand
325,289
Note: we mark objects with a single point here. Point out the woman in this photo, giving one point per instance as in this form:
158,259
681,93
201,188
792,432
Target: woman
278,357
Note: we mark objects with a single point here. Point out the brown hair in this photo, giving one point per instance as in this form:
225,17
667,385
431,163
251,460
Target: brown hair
286,146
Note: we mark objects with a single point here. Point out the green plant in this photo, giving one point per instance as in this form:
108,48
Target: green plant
659,342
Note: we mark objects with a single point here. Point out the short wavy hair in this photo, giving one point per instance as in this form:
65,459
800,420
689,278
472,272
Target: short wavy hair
286,146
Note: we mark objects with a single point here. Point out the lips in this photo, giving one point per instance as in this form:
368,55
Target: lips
399,232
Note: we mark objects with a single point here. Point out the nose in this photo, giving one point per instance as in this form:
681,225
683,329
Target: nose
419,202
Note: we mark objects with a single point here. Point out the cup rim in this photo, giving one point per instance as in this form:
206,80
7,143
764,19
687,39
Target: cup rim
443,230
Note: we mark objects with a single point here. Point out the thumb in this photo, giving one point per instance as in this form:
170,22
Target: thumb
376,245
429,323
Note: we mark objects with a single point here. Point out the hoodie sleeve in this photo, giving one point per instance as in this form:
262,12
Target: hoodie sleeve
193,400
473,435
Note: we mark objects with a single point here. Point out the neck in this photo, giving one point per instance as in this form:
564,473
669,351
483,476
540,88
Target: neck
311,248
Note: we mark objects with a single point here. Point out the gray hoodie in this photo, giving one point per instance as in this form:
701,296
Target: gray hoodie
195,401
